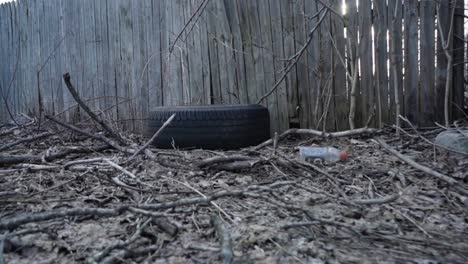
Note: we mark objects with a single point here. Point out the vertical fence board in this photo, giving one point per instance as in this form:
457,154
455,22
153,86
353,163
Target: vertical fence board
155,55
395,13
216,97
458,87
126,60
278,65
300,37
3,54
427,46
340,102
257,51
411,76
381,71
203,38
237,50
353,53
195,59
246,35
313,60
289,50
165,56
223,42
139,78
365,55
182,8
100,37
89,54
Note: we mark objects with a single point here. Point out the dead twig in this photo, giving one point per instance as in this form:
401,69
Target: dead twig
120,245
25,218
66,78
26,140
109,141
216,160
14,159
452,182
168,121
225,238
381,200
312,132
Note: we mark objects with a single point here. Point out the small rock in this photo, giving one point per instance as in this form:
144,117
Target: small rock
453,140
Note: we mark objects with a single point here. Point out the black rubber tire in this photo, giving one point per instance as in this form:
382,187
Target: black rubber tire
210,127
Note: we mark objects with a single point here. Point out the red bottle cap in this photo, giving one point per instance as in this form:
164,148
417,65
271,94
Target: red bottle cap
343,155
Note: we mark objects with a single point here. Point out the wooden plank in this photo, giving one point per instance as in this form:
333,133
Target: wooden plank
73,45
43,64
458,62
327,73
164,35
100,37
247,43
56,60
341,106
411,62
88,29
216,97
353,54
257,51
146,36
280,95
267,60
365,55
139,57
195,60
203,38
395,16
289,50
126,111
114,56
173,93
237,50
67,34
20,78
184,13
155,89
381,57
223,38
427,46
302,77
3,49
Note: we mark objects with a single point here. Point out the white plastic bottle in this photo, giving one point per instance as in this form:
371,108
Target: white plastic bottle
326,154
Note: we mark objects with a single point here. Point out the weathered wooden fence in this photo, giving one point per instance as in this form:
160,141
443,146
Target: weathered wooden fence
118,54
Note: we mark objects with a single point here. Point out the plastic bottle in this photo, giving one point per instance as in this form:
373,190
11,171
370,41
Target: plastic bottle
326,154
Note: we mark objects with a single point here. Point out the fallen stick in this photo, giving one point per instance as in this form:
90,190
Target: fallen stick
26,140
236,165
312,132
168,121
14,159
430,142
381,200
122,244
66,78
109,141
422,168
215,160
225,239
12,130
14,222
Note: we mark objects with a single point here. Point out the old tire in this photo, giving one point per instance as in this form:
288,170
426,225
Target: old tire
210,127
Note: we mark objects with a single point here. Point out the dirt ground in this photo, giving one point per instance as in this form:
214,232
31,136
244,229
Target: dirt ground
263,206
